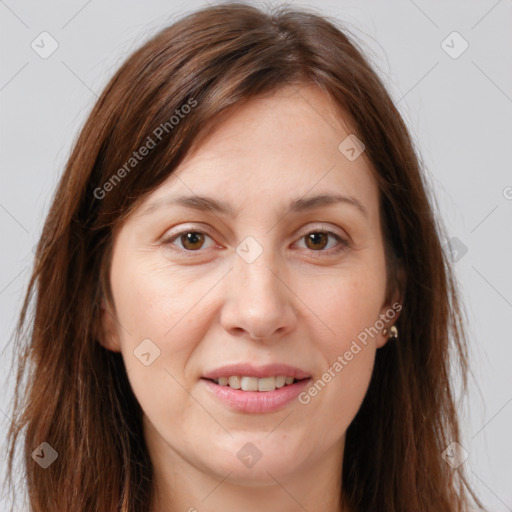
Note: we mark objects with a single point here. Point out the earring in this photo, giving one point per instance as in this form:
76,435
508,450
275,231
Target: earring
392,331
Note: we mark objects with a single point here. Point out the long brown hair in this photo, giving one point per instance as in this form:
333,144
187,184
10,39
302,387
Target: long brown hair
77,396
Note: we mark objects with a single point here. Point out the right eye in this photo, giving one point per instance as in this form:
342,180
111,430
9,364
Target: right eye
190,240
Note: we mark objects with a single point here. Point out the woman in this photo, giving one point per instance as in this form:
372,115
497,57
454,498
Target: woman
242,300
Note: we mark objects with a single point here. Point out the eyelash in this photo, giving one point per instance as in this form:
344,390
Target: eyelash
168,241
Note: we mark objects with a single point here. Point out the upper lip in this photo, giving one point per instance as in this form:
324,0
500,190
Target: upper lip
248,370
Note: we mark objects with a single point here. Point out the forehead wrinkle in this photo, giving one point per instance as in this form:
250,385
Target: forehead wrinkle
221,207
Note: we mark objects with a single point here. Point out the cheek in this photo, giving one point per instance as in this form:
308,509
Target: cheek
158,302
348,307
348,304
340,391
333,399
155,307
164,313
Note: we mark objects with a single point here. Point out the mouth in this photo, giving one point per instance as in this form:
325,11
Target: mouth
265,384
257,390
247,377
266,399
249,383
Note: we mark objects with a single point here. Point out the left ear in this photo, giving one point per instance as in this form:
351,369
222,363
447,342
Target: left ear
392,308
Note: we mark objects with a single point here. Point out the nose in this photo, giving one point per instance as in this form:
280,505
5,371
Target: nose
259,303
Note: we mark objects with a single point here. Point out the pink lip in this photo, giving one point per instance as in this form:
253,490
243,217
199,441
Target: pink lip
246,369
256,402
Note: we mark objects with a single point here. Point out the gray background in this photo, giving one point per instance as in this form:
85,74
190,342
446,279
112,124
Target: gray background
459,111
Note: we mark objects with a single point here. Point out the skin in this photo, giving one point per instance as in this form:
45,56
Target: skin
300,304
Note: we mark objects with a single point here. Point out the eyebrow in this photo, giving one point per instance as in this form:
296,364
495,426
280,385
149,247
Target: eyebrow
209,204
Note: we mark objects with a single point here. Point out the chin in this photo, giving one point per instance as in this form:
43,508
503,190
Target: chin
253,459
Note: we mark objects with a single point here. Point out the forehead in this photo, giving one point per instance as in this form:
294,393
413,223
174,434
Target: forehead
272,150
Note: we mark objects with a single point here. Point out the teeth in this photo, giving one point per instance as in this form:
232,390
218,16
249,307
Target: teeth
280,381
234,382
249,383
254,383
267,384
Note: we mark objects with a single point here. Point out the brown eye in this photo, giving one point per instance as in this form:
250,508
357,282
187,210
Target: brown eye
192,240
324,242
187,241
317,240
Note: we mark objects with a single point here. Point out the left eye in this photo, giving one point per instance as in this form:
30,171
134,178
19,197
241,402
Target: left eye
192,241
320,238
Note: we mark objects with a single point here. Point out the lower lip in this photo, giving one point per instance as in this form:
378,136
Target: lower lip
256,402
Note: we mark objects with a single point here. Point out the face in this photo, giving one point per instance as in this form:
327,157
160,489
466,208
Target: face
258,283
